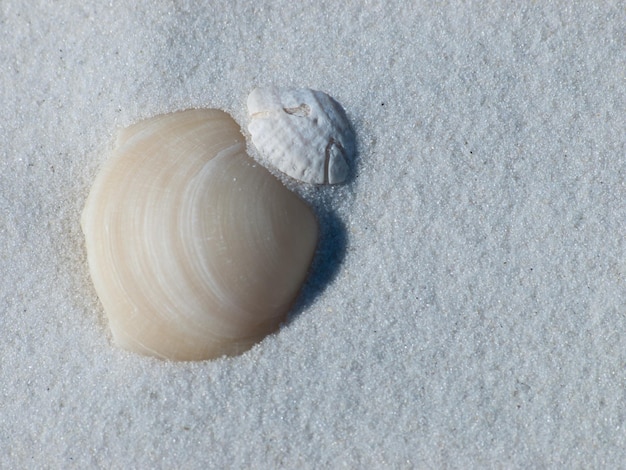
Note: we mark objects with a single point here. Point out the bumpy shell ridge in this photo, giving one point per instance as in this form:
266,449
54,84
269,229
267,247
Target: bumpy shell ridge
303,133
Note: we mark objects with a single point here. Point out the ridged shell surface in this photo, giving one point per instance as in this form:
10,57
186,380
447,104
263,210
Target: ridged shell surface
303,133
195,250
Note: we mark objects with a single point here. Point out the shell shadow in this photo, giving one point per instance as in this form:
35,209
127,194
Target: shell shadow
329,255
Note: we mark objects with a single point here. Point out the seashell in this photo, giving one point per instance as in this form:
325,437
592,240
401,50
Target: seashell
303,133
195,250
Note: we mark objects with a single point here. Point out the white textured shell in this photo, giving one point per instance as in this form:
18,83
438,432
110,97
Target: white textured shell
303,133
195,250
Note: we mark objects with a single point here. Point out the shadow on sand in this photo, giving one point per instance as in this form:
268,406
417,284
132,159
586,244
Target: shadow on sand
329,255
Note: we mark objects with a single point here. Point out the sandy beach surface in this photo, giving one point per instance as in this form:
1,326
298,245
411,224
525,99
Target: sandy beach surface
467,304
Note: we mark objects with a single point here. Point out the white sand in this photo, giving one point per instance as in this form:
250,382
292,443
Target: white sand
468,308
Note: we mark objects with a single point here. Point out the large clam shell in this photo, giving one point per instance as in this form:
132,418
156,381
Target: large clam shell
194,249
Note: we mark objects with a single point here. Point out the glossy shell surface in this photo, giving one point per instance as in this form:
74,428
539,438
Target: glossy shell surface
195,250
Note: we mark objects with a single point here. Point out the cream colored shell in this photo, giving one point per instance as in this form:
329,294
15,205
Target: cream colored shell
195,250
303,133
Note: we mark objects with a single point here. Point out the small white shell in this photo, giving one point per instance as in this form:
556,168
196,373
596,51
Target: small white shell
195,250
303,133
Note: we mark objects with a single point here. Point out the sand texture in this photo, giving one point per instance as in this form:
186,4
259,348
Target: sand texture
467,305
